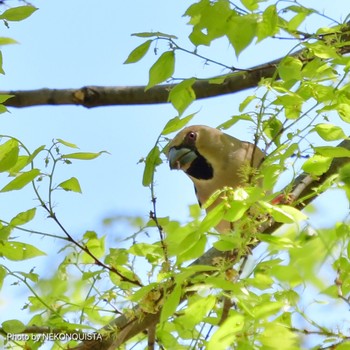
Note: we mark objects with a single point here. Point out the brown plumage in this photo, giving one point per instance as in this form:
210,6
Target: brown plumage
212,160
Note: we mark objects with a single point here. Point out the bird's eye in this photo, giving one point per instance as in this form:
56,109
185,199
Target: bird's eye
191,137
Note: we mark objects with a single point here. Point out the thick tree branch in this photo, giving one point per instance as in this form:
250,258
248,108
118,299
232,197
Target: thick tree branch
96,96
123,328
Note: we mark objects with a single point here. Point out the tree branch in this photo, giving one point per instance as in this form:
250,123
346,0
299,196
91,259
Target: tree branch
96,96
123,328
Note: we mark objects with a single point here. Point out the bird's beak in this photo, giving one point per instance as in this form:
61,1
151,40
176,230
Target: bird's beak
181,158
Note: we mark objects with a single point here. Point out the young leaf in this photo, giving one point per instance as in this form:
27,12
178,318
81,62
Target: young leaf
317,165
182,95
13,326
290,69
250,5
152,160
162,69
2,276
138,52
21,180
268,26
8,154
241,31
18,13
330,132
334,152
17,251
23,217
71,184
224,337
272,129
7,41
4,97
1,72
154,34
343,110
82,155
171,303
68,144
284,213
176,123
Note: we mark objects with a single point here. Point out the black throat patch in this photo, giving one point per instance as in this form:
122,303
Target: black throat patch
200,169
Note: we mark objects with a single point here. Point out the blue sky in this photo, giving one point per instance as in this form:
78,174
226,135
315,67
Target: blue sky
70,44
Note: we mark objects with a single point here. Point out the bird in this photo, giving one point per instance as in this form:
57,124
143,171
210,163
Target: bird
213,160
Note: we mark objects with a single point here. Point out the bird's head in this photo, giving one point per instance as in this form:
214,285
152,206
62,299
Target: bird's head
190,151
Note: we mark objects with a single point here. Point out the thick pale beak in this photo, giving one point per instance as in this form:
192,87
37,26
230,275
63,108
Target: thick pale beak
181,158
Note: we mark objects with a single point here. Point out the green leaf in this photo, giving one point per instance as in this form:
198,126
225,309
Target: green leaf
191,249
212,218
1,72
17,251
241,32
4,97
343,110
277,336
2,276
344,175
7,41
139,52
23,217
171,303
233,120
162,69
71,184
154,34
5,232
334,152
18,13
301,14
250,5
225,336
31,276
182,95
235,210
290,69
176,124
284,213
209,20
322,50
23,161
152,161
95,245
13,326
268,26
330,132
83,155
246,102
317,165
8,154
288,274
279,242
196,311
21,180
67,144
152,252
272,129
